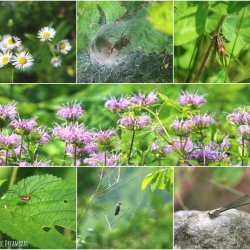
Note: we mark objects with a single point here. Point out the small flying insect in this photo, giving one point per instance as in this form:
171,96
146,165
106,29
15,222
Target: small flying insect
118,208
237,203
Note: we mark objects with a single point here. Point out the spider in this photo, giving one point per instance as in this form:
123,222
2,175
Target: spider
122,42
27,196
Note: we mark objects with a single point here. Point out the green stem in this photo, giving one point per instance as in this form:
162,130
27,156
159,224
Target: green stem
13,177
21,147
11,91
105,157
51,49
12,75
159,159
236,38
75,149
243,152
193,57
169,139
6,157
131,147
64,156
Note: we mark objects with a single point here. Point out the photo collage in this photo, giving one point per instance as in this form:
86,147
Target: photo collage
124,124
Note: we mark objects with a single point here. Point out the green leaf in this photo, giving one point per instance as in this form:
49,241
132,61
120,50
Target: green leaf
2,182
169,102
146,181
191,23
162,179
31,37
160,15
52,204
225,8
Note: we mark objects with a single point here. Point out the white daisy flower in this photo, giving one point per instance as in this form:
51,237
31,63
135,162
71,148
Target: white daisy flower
22,61
5,58
64,47
11,42
46,34
56,61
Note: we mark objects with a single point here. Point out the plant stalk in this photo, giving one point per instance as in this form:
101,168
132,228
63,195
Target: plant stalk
75,149
13,177
131,147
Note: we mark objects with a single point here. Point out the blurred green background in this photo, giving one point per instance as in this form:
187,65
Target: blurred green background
42,101
210,188
145,219
27,17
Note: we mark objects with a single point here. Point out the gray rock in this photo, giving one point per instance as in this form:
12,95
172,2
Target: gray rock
195,230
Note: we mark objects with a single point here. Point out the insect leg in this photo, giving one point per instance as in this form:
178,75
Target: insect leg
37,197
14,192
24,185
40,186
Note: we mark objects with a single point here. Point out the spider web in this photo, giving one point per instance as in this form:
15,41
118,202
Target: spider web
117,185
144,59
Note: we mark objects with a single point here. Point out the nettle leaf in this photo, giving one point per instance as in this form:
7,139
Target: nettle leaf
191,23
51,205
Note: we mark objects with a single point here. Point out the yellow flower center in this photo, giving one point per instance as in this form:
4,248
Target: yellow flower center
22,60
5,59
62,46
10,41
46,35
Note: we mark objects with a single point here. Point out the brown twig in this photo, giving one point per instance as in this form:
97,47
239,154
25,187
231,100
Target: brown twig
205,59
